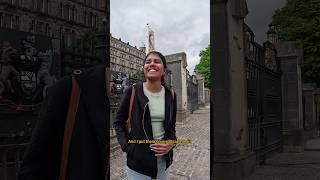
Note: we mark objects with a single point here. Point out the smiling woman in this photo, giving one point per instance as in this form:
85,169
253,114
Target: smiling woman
155,67
178,29
153,117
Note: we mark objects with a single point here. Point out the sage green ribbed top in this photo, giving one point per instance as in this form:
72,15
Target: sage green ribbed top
156,107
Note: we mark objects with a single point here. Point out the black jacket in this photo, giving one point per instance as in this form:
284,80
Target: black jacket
139,156
89,147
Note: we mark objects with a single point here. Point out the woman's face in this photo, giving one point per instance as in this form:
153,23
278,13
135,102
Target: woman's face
153,67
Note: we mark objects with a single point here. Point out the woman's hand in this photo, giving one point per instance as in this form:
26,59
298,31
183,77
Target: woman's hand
161,149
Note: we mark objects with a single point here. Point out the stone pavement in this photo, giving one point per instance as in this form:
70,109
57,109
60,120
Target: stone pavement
313,145
191,161
292,166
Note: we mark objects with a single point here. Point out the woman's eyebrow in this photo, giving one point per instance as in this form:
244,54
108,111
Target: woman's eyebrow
153,59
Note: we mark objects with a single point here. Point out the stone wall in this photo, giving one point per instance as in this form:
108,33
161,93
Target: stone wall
177,64
291,59
201,90
206,95
310,110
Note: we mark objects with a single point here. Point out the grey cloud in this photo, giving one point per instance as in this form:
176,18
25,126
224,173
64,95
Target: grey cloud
179,25
260,13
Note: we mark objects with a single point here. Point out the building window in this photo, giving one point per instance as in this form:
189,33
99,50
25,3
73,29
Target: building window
43,6
47,6
96,21
90,19
74,14
7,23
85,18
47,30
66,12
39,28
73,37
70,13
66,37
61,33
61,10
31,26
16,23
35,4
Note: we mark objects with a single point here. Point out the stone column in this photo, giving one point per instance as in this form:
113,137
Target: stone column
201,95
177,64
309,109
290,56
207,95
232,160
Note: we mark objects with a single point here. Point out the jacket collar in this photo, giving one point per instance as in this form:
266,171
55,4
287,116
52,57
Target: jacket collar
168,101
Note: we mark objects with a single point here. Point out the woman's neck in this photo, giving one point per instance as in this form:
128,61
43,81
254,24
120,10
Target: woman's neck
153,86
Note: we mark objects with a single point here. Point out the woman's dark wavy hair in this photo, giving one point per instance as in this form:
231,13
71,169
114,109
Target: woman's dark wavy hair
163,59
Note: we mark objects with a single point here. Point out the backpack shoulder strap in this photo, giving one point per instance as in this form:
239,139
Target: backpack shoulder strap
128,124
172,92
69,125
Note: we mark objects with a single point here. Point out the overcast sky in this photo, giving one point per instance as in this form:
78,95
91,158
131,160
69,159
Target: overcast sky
260,15
179,25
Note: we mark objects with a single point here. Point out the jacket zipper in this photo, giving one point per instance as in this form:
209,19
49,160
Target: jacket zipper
170,118
144,109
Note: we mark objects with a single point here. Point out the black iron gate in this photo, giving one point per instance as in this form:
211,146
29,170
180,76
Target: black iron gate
264,97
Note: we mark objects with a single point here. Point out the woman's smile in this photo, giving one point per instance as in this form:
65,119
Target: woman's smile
153,67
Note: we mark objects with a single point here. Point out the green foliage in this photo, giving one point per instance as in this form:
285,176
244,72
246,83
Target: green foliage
300,20
203,68
138,76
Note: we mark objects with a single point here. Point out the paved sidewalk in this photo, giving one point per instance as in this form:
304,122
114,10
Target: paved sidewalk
313,145
191,161
292,166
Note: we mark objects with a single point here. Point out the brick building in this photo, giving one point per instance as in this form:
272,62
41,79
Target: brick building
124,57
53,18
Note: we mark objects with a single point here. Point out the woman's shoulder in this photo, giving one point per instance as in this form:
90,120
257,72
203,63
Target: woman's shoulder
170,90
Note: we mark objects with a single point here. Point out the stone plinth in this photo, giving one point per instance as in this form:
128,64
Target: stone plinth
291,58
177,64
232,160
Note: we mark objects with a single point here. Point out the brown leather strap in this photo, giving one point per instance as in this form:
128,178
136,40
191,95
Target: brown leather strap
128,123
172,92
69,124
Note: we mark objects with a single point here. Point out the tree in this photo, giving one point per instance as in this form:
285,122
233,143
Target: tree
137,76
300,20
203,68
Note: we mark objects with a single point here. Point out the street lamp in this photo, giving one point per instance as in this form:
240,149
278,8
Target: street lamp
272,35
